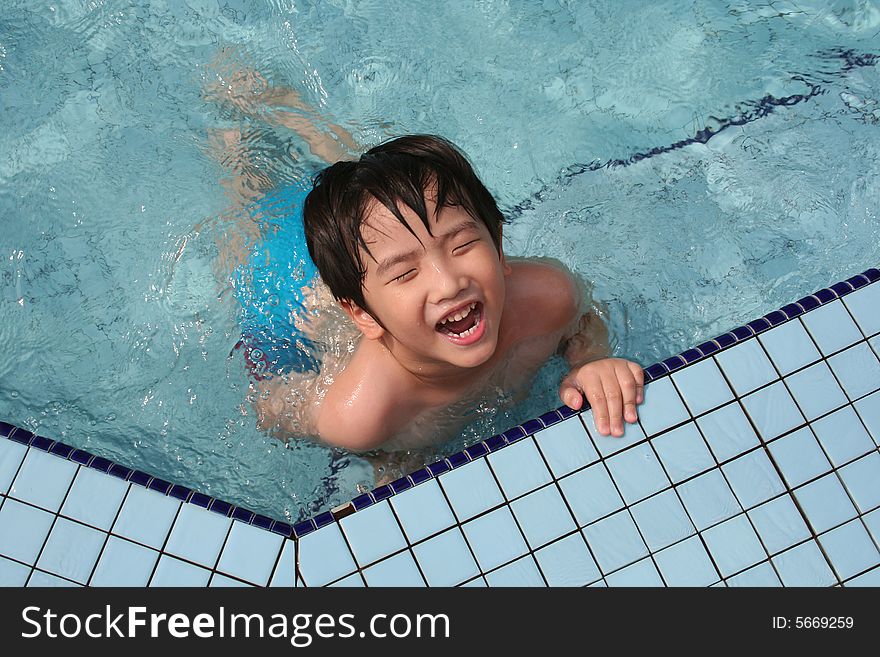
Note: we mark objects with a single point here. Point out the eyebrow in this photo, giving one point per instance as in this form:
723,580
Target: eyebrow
396,259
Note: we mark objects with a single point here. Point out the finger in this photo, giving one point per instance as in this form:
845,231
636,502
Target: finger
639,375
628,388
596,396
571,395
614,399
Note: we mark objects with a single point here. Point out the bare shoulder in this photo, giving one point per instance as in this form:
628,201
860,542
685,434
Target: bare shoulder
549,293
361,409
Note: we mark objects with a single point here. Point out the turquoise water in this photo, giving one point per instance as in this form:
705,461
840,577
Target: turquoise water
700,164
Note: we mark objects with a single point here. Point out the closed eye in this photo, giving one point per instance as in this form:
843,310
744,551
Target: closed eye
403,275
466,243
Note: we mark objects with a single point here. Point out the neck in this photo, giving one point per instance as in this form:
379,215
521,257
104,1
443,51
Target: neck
433,375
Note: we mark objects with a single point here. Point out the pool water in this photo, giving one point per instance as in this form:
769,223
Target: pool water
701,165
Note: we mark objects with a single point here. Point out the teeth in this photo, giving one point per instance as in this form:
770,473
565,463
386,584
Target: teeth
459,315
471,330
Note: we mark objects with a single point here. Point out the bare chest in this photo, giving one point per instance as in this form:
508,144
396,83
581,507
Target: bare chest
504,383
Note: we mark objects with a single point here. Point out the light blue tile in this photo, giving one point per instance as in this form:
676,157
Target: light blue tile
815,390
799,457
174,572
399,570
760,575
607,445
862,479
804,565
746,366
446,559
591,494
708,499
43,480
422,510
123,563
662,407
773,411
72,550
599,585
24,530
718,585
352,581
843,436
519,468
728,432
683,452
566,446
825,503
870,578
637,473
864,304
146,516
522,572
753,478
615,541
868,409
471,489
702,386
850,549
831,327
373,533
857,369
219,581
198,535
543,516
13,573
568,562
779,524
11,456
476,583
46,580
495,538
790,347
250,553
734,545
324,556
686,564
94,498
285,570
641,573
662,520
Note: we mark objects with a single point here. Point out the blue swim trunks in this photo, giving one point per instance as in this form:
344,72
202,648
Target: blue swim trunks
268,287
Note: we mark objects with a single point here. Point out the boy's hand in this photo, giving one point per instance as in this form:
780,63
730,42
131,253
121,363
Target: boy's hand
613,387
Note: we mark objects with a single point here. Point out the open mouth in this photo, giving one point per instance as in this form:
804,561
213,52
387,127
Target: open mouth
467,329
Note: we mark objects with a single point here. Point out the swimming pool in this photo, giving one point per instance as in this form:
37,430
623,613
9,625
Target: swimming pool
698,165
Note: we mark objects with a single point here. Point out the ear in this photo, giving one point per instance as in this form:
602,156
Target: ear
362,319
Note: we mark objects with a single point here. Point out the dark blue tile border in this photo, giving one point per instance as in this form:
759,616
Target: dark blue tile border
492,444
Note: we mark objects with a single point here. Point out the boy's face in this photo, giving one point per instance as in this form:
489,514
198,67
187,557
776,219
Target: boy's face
411,287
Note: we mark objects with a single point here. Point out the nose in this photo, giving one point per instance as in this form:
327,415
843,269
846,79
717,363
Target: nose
447,282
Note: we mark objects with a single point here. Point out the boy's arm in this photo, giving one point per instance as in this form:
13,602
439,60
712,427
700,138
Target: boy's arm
613,386
358,419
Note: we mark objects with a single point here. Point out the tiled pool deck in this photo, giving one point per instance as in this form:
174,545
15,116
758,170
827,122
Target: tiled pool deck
755,462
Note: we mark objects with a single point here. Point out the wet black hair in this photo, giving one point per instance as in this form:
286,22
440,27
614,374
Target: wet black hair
398,170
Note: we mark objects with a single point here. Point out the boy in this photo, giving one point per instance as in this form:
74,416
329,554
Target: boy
408,240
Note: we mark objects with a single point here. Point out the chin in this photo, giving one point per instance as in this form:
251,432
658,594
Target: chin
478,356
